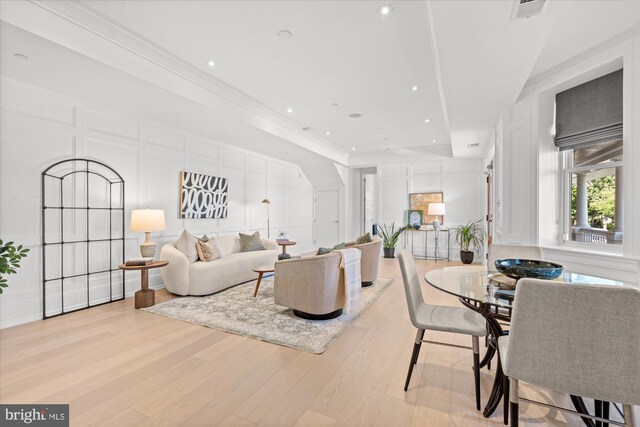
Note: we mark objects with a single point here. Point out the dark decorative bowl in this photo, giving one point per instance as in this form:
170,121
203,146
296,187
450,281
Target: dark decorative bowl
519,268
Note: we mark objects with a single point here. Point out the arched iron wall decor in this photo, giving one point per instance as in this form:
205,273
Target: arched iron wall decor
77,196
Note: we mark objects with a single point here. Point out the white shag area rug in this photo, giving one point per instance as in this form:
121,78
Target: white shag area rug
235,310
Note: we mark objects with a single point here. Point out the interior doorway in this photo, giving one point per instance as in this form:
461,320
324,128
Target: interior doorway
489,217
369,191
327,218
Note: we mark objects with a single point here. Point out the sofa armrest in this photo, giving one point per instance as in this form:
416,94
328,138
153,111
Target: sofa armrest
269,244
176,274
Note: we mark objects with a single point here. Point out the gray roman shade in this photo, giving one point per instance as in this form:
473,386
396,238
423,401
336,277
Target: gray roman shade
590,113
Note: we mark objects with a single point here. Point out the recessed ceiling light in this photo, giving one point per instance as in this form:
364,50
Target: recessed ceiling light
289,110
355,115
285,34
385,10
414,88
328,133
433,140
427,120
21,56
353,148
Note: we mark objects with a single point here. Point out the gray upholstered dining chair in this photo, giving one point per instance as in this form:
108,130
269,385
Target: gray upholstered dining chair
423,316
582,340
499,251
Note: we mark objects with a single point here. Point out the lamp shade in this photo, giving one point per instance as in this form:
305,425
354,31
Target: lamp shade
436,209
145,220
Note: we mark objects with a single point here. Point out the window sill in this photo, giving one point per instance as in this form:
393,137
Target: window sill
590,248
585,259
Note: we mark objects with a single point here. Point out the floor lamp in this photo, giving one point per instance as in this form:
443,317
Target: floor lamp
267,202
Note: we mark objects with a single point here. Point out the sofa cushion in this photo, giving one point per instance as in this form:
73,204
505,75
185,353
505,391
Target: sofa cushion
251,242
208,250
365,238
186,244
228,244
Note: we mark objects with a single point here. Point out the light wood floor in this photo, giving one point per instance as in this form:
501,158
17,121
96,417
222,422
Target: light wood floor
118,366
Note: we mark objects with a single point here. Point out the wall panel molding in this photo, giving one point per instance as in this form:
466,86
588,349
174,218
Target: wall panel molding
149,156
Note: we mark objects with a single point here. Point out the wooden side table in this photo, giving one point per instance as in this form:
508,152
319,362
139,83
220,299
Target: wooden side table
261,271
284,254
145,297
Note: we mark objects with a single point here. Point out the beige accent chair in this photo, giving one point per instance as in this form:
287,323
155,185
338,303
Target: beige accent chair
312,286
370,260
498,251
581,340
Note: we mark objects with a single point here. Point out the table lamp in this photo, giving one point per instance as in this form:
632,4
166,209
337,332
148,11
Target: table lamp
147,220
436,209
267,202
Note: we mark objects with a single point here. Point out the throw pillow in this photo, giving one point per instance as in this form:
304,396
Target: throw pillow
186,244
323,251
251,242
208,250
365,238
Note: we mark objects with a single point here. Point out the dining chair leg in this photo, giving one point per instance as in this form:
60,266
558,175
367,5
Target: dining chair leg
605,413
513,401
505,403
597,407
629,417
475,345
414,356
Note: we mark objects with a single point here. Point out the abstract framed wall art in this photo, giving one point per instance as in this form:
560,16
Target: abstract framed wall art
421,202
203,196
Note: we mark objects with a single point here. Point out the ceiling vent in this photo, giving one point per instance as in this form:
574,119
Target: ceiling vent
474,145
527,8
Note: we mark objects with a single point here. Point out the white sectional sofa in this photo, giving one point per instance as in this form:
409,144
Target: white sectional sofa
182,277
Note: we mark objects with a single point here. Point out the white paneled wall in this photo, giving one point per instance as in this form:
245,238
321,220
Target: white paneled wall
40,127
460,181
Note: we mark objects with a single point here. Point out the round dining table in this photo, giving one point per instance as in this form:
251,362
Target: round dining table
483,291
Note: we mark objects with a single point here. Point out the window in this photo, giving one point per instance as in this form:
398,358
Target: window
594,178
589,134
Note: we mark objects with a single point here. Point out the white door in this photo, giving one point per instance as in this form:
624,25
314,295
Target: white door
327,218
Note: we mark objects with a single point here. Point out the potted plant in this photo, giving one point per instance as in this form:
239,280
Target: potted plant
471,234
390,239
10,257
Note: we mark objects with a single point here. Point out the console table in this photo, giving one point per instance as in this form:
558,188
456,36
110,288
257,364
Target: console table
436,247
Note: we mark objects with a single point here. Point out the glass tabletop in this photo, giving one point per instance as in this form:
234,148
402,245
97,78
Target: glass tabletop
475,283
